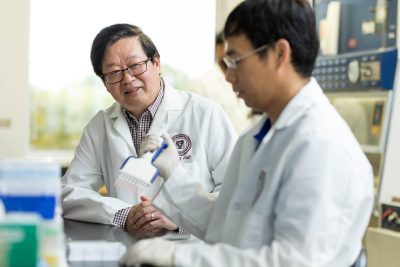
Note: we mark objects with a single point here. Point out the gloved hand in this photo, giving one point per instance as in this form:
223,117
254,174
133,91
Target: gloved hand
168,160
154,251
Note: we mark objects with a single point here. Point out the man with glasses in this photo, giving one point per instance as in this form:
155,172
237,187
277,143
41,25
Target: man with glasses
129,64
298,190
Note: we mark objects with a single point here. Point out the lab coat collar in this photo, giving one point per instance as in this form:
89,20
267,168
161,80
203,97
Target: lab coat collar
172,101
170,107
121,125
299,104
116,111
293,111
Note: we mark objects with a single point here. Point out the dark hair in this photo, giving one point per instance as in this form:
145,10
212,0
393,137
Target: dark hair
266,21
219,38
112,34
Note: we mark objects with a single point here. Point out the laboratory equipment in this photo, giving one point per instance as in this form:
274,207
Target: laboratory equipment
140,172
29,189
19,236
28,185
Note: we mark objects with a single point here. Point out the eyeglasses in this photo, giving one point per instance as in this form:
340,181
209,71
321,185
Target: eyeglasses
133,70
231,63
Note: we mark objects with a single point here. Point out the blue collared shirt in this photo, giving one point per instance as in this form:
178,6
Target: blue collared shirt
263,131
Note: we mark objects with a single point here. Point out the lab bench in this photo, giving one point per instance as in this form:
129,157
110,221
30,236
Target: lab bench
95,234
83,231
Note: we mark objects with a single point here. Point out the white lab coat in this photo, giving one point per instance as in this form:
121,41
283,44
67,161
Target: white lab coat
303,198
207,142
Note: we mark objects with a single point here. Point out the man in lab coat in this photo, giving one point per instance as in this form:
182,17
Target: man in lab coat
129,64
298,190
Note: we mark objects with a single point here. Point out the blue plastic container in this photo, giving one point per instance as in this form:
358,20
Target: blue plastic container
44,205
30,186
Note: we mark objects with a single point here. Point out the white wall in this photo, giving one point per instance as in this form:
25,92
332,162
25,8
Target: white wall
224,7
14,109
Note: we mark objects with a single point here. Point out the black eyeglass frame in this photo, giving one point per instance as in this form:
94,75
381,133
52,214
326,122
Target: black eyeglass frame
106,76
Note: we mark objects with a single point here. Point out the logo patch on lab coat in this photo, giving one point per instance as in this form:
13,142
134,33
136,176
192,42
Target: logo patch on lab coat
183,144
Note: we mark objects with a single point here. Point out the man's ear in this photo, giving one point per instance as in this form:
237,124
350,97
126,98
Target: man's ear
283,51
157,62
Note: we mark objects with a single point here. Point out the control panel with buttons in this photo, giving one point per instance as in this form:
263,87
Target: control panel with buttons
390,217
371,70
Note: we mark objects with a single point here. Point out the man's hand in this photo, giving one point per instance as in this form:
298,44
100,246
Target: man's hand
154,251
168,160
145,220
